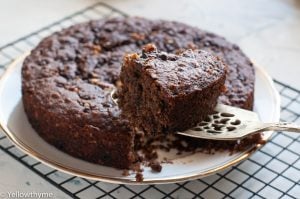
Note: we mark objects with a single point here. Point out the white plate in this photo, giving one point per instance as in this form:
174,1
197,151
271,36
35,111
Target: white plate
185,167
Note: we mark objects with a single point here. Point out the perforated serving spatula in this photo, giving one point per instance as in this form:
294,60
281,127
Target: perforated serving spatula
230,123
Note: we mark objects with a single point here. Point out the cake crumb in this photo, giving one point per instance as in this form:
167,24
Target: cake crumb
155,166
125,172
149,47
137,167
139,177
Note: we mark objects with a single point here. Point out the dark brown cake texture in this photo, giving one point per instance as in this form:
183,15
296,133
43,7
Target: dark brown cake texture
68,77
165,92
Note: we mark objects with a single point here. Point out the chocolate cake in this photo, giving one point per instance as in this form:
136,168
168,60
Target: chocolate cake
165,92
68,77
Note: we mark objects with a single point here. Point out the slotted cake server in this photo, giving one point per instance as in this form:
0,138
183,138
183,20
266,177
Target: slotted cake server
231,123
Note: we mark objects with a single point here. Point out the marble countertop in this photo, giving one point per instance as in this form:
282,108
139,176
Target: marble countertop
268,31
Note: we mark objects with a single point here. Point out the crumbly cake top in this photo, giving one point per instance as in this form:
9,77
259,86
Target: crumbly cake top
179,73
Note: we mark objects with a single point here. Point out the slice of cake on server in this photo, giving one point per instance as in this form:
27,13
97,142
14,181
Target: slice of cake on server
165,92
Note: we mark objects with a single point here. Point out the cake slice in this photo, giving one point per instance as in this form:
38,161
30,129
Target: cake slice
164,93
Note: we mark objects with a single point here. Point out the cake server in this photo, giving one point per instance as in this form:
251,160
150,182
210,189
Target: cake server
231,123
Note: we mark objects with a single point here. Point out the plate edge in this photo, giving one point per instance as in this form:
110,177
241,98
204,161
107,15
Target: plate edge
65,169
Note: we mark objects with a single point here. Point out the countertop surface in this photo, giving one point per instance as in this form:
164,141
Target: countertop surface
268,31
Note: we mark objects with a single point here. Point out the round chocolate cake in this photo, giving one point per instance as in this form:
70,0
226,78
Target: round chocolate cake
67,81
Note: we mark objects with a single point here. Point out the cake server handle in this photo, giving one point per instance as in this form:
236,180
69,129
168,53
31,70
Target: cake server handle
282,126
